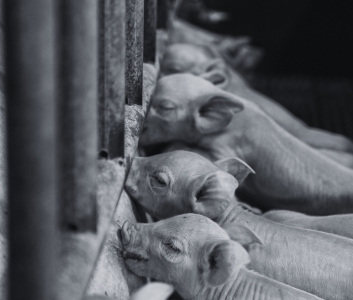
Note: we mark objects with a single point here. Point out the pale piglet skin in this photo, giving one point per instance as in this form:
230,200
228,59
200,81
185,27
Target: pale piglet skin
182,182
335,224
289,174
201,261
203,61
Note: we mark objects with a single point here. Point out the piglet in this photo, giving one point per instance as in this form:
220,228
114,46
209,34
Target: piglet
199,259
204,61
181,182
290,174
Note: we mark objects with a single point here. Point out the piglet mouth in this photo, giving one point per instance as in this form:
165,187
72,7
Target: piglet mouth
134,256
219,80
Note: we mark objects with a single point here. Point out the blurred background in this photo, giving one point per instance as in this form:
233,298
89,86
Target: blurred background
307,64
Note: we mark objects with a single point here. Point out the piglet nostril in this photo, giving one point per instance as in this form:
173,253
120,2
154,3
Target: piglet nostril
125,233
119,234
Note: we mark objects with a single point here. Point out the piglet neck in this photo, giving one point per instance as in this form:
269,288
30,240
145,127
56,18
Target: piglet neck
248,285
235,213
239,138
251,285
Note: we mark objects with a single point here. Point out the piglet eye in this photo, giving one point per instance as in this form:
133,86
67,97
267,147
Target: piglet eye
170,247
164,105
159,182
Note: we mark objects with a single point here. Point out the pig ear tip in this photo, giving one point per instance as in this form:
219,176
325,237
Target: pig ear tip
258,241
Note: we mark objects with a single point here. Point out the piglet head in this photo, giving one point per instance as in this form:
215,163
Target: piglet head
185,108
135,247
180,182
197,60
189,251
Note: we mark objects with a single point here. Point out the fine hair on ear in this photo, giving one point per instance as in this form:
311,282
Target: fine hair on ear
216,113
236,167
221,260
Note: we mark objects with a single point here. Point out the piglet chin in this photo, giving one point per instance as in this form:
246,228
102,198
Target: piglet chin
144,138
138,267
152,137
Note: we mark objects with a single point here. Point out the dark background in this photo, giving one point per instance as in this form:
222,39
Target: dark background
304,37
308,48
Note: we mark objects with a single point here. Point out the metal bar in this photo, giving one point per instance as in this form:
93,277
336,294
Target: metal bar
114,75
134,51
102,129
78,113
150,22
30,88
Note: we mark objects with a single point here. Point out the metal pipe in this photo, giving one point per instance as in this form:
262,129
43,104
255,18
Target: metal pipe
78,122
30,101
112,75
134,51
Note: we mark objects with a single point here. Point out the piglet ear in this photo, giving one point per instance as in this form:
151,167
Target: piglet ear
241,234
222,259
235,166
214,115
215,73
212,193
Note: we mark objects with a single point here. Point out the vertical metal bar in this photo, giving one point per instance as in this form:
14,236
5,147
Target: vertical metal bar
134,51
102,129
150,22
113,65
30,87
78,113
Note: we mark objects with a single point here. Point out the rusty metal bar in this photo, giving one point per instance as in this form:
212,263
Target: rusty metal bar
150,22
134,51
30,89
112,74
78,113
102,128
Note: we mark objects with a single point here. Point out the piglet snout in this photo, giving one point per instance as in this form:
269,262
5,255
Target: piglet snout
125,233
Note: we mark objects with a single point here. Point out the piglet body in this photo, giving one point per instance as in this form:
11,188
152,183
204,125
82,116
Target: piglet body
248,285
201,262
335,224
294,256
205,61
